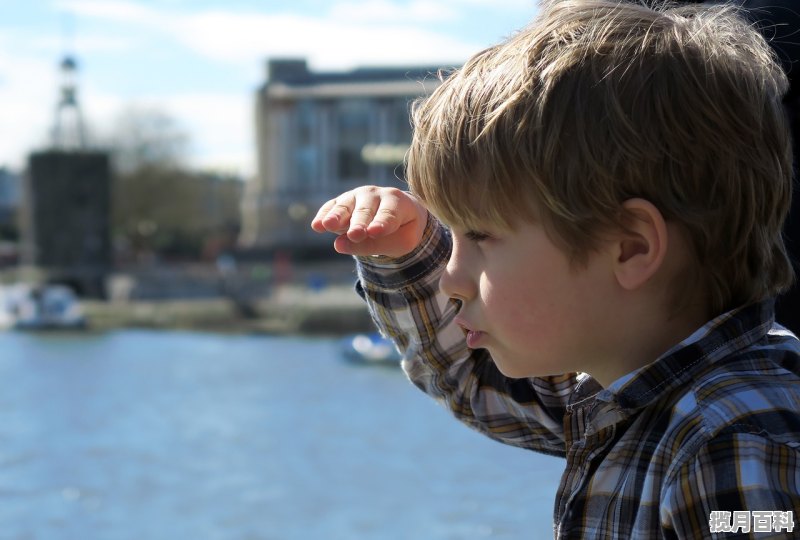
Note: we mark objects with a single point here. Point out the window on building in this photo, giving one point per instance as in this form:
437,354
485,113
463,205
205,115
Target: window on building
400,135
400,122
353,122
304,115
306,145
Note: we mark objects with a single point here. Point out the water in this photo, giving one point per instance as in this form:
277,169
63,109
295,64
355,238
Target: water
147,435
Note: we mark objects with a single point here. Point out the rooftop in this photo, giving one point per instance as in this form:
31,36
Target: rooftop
295,72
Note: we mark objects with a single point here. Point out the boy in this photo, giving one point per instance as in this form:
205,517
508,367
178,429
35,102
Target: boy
613,179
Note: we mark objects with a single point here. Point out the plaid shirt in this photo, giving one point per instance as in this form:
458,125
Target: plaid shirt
713,425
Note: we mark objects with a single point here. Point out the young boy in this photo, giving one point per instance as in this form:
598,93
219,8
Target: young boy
613,180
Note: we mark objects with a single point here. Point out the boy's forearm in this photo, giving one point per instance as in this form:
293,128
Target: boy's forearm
405,301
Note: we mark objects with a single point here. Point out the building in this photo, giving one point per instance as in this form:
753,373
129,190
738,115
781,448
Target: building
66,218
319,134
10,201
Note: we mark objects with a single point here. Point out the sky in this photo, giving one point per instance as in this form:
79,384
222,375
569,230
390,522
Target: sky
200,62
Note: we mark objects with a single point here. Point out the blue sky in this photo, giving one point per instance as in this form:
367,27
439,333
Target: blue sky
200,61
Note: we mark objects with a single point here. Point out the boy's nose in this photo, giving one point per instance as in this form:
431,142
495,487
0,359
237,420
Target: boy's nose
455,282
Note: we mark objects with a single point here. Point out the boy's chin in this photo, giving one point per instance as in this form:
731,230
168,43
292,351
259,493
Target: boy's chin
519,368
511,368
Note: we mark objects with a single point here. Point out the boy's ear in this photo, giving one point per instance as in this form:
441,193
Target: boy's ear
641,247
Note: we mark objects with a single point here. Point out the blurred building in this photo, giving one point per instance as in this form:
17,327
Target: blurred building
10,200
66,207
322,133
66,218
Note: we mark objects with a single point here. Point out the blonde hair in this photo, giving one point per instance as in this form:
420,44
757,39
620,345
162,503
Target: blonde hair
597,102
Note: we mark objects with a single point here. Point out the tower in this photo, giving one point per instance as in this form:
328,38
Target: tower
69,132
66,217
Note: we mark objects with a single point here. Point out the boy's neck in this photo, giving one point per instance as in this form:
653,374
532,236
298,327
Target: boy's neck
647,338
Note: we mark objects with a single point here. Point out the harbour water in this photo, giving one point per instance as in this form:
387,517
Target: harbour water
169,435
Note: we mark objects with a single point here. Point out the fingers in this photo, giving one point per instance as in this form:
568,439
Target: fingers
366,203
334,215
373,220
386,219
365,212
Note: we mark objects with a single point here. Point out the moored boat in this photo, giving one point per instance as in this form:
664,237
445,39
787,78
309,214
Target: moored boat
371,348
39,307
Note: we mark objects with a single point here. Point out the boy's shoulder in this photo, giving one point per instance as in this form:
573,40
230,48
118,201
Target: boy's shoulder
735,382
753,390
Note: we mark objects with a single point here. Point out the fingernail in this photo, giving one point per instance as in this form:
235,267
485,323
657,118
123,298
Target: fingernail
376,227
357,231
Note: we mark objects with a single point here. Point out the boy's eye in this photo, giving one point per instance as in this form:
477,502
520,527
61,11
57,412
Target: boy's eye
476,236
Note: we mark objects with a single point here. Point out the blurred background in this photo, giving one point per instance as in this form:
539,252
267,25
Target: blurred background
181,356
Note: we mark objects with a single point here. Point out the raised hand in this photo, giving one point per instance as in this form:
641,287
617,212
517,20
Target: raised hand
373,220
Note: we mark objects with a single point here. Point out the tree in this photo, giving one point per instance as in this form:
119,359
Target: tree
147,136
159,205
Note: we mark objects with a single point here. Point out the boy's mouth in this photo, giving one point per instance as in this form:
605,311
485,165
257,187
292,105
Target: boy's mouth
474,337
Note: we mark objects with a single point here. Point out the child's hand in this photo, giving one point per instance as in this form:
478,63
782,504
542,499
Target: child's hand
372,220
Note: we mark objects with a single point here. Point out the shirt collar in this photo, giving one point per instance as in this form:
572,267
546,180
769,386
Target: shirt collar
714,341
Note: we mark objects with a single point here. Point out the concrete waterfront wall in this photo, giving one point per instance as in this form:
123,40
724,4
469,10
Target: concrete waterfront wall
337,310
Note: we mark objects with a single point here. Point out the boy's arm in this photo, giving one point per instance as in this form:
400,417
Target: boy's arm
405,302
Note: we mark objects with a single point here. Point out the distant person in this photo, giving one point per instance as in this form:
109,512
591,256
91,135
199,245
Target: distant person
586,264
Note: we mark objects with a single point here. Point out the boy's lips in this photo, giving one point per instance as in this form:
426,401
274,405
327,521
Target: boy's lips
474,337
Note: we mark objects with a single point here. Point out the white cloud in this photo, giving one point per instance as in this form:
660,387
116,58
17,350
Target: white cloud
105,43
28,90
382,11
327,43
85,43
219,125
226,122
343,39
111,10
511,5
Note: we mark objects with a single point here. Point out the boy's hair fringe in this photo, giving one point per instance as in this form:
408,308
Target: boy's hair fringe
597,102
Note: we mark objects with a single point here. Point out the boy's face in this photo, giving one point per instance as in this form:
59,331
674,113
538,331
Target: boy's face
535,313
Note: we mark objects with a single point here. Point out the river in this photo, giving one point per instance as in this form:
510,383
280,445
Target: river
175,435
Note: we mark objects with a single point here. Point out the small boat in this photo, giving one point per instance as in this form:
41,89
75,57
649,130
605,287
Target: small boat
34,307
371,348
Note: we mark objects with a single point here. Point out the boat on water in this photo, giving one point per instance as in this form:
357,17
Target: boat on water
371,348
39,307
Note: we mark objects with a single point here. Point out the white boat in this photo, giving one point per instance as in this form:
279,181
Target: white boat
34,307
370,349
